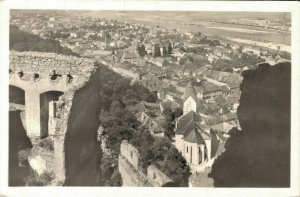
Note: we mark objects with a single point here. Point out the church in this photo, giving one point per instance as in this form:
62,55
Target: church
192,135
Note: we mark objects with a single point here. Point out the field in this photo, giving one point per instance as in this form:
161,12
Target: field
205,22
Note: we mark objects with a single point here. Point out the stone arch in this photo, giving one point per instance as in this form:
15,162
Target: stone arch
15,80
16,95
48,111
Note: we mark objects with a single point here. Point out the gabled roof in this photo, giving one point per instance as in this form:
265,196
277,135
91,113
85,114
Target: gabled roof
185,119
169,104
193,136
130,48
129,55
189,125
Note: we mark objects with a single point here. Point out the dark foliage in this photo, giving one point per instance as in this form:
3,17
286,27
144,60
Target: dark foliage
161,153
120,124
259,155
170,118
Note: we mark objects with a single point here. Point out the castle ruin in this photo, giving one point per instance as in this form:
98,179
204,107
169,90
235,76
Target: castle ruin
131,170
47,82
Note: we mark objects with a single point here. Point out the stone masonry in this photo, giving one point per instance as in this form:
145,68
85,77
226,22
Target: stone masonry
37,73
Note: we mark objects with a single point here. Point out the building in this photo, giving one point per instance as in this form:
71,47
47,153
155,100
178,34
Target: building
192,136
160,62
210,91
156,125
169,104
130,54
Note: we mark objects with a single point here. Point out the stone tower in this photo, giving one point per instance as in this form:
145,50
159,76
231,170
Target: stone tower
189,99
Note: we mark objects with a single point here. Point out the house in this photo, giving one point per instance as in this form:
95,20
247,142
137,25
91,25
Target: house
160,62
156,125
73,35
231,116
169,104
224,127
252,50
169,92
151,82
209,91
130,54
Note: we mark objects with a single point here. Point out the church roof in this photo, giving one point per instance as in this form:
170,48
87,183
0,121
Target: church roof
193,136
185,119
189,92
189,125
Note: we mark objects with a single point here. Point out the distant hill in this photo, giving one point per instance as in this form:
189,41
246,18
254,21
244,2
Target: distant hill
24,41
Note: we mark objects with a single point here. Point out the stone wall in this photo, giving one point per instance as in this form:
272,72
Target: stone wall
157,178
130,153
41,160
131,170
131,177
37,62
43,64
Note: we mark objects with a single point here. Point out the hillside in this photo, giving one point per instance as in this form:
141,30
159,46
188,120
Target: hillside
24,41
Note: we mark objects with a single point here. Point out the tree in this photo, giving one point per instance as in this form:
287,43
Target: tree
175,166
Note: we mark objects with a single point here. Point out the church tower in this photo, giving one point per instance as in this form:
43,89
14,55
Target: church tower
189,99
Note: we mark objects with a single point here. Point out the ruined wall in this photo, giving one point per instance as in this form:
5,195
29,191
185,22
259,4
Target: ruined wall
35,78
41,159
37,62
131,170
130,153
157,178
129,166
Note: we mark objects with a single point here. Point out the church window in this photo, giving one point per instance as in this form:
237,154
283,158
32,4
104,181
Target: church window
187,149
131,154
191,154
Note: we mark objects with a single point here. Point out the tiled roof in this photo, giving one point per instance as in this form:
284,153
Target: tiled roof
229,116
130,48
185,119
189,125
130,55
169,104
193,136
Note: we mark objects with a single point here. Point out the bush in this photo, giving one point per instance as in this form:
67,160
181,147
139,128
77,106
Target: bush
33,179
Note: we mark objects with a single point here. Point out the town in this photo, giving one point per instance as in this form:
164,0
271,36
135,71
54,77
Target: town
193,79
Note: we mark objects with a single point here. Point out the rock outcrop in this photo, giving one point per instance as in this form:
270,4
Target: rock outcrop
259,154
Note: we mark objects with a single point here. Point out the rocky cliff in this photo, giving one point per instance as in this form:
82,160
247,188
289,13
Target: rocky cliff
259,155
